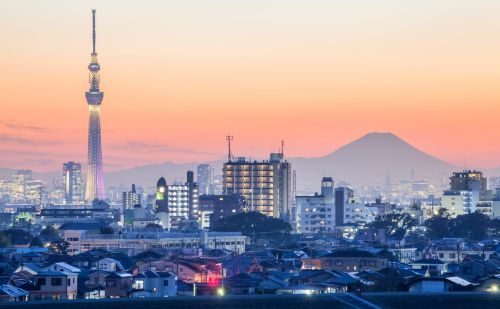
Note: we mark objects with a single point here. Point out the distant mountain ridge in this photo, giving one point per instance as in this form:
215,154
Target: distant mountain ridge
369,159
366,160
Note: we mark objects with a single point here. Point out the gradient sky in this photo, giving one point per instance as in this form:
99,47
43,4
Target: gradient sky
180,75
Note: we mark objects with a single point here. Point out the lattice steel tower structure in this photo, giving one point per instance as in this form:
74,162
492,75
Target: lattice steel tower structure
95,173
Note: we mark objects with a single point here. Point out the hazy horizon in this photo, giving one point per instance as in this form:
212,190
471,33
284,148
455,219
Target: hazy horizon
178,77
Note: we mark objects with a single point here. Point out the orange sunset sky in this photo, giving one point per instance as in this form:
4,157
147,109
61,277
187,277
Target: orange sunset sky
180,75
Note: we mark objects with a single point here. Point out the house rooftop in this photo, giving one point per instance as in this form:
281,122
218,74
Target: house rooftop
12,291
428,261
350,253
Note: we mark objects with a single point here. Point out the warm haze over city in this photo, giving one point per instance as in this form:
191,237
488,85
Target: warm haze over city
181,75
250,154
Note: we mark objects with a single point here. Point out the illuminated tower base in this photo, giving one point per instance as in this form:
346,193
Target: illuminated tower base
95,172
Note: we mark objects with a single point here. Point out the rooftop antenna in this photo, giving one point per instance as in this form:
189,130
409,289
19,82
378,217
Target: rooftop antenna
283,148
229,138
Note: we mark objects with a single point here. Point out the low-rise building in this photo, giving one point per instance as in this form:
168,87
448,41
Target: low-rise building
118,285
432,266
9,293
53,285
352,261
137,241
154,284
110,264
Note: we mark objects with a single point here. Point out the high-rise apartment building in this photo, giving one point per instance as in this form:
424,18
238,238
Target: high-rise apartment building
205,179
471,186
72,181
342,196
468,180
131,198
179,200
316,213
265,185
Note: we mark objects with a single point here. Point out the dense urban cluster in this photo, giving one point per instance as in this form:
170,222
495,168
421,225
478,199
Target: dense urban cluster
251,235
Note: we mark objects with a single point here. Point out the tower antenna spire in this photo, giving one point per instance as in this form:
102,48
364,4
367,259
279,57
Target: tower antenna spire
93,31
229,138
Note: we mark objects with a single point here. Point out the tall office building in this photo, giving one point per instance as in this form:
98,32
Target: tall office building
95,173
265,185
72,180
131,198
205,179
25,189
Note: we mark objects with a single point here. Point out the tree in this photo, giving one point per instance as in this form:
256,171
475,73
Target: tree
473,226
4,239
18,237
49,234
388,255
36,242
107,230
59,247
154,226
394,225
439,226
251,223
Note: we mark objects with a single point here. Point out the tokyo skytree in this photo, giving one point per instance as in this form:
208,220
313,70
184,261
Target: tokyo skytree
95,173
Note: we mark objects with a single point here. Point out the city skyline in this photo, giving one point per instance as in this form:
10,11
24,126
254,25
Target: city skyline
278,68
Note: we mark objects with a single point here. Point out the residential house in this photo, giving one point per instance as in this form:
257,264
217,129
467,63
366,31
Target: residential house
154,284
433,266
489,284
473,270
62,267
439,285
53,285
118,285
34,257
241,284
110,264
352,261
263,266
91,284
310,289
